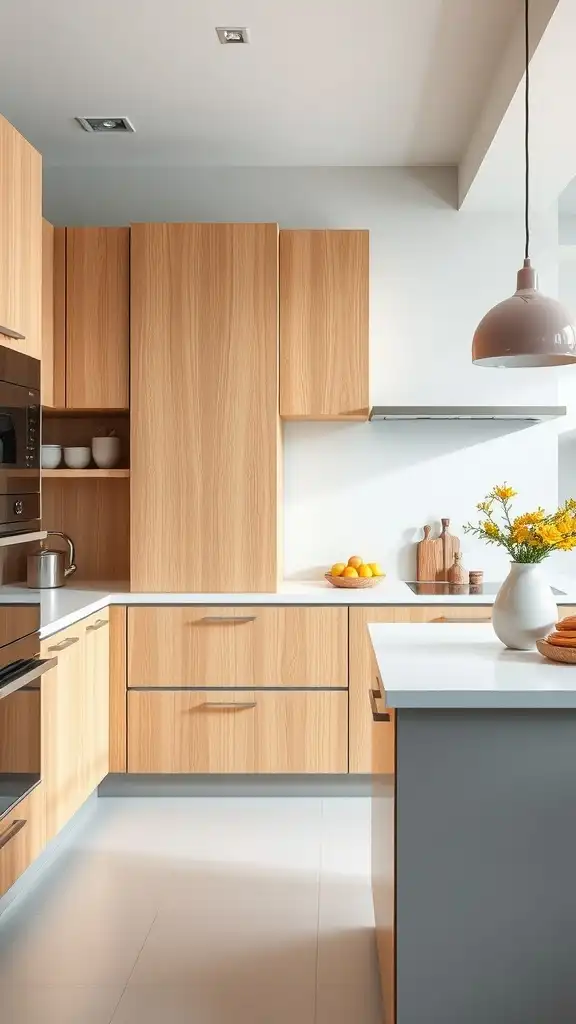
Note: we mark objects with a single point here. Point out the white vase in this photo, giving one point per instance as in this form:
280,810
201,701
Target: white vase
524,610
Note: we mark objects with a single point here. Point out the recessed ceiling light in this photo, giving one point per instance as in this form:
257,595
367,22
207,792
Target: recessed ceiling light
232,35
106,124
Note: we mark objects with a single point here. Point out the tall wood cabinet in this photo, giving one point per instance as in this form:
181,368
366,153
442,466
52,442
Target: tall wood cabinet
204,407
324,284
20,242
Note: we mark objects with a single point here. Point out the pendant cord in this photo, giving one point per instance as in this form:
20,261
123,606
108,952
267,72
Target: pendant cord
526,131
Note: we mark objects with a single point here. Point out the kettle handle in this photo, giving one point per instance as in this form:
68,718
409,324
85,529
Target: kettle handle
70,568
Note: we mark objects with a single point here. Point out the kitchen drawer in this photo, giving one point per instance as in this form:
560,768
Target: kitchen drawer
21,837
179,731
237,646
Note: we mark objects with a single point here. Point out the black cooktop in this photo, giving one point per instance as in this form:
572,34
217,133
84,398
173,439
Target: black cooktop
429,589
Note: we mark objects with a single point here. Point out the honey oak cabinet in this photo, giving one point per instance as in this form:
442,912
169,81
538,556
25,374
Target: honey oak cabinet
20,242
22,837
372,742
237,732
205,461
324,339
243,646
75,718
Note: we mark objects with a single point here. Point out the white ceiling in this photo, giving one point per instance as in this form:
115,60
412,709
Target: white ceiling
323,82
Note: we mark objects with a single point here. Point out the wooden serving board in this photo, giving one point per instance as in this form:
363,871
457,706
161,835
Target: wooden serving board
450,544
429,563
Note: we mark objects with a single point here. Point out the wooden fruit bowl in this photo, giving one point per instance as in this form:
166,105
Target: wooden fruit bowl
567,655
353,582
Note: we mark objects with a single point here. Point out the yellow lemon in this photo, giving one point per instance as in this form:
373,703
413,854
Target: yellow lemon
350,571
365,570
376,569
355,561
337,569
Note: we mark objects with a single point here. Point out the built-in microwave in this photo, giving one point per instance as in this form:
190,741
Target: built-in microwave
20,440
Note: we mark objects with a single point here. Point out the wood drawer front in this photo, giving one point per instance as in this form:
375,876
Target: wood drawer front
21,838
237,646
243,732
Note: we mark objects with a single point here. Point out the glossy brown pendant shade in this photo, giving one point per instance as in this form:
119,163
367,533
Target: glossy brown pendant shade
527,329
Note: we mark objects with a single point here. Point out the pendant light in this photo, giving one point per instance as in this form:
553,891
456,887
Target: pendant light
527,329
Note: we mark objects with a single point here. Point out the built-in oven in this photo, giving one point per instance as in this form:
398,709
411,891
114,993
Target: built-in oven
20,440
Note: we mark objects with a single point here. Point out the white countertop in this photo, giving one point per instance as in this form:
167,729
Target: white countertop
64,606
449,665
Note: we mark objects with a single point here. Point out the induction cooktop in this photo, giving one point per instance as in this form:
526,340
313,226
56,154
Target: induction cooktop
425,588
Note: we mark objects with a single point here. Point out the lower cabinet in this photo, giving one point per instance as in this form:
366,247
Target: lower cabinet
237,731
75,703
22,837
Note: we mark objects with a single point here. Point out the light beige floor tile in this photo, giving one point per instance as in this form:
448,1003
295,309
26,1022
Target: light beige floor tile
349,1004
223,1004
346,937
35,1004
346,837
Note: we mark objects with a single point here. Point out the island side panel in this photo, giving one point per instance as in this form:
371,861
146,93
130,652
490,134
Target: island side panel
383,890
485,867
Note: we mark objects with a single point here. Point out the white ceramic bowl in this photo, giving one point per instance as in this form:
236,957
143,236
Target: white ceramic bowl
77,458
106,451
50,456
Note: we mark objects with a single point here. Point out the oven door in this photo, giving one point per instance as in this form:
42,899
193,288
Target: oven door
20,725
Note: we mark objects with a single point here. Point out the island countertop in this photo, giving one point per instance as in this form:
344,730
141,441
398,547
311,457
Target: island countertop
453,665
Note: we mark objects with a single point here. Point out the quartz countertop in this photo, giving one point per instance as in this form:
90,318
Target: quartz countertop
451,665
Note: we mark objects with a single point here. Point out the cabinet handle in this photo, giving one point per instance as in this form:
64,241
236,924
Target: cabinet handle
377,714
234,621
11,831
229,705
65,643
455,618
97,625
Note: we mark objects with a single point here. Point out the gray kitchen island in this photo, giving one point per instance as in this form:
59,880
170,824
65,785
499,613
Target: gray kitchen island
474,836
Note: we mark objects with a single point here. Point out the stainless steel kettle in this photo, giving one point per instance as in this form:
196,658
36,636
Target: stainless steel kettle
47,567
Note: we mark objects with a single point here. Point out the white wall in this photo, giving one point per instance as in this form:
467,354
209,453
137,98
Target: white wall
434,272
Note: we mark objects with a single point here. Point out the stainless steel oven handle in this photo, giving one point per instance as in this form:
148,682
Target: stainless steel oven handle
65,643
11,831
42,665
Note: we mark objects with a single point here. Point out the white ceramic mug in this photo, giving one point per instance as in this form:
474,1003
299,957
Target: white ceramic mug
106,451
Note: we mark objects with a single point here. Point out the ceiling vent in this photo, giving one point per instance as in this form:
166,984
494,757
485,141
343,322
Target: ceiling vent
232,35
106,124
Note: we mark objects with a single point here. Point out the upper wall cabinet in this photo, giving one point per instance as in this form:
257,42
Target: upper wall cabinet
204,407
20,242
97,317
324,288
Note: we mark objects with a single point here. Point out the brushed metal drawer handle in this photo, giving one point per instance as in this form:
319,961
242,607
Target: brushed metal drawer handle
456,619
65,643
377,714
97,625
229,705
11,831
238,621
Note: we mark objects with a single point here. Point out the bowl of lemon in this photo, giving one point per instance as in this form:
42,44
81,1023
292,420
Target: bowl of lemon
355,574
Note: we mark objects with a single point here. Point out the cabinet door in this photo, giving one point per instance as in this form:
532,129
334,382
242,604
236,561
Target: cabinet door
204,407
47,314
241,731
96,667
372,743
97,317
324,283
20,242
22,837
64,731
238,646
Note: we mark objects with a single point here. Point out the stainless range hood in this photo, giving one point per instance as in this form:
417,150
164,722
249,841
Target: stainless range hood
513,413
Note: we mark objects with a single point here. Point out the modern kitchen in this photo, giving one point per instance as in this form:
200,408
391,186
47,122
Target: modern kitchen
287,516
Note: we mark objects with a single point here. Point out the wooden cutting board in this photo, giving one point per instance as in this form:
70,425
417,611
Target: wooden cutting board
450,544
429,560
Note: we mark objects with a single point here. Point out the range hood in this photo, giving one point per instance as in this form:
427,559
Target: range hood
514,413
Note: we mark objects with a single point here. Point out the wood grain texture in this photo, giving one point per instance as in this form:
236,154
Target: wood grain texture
450,545
20,241
19,730
96,515
190,646
85,474
97,317
204,413
47,387
429,557
59,309
324,336
384,887
364,732
118,680
21,851
175,731
96,650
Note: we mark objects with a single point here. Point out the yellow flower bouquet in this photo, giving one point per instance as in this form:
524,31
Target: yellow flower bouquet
530,537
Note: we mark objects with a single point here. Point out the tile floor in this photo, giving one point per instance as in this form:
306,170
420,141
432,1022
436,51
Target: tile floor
199,911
